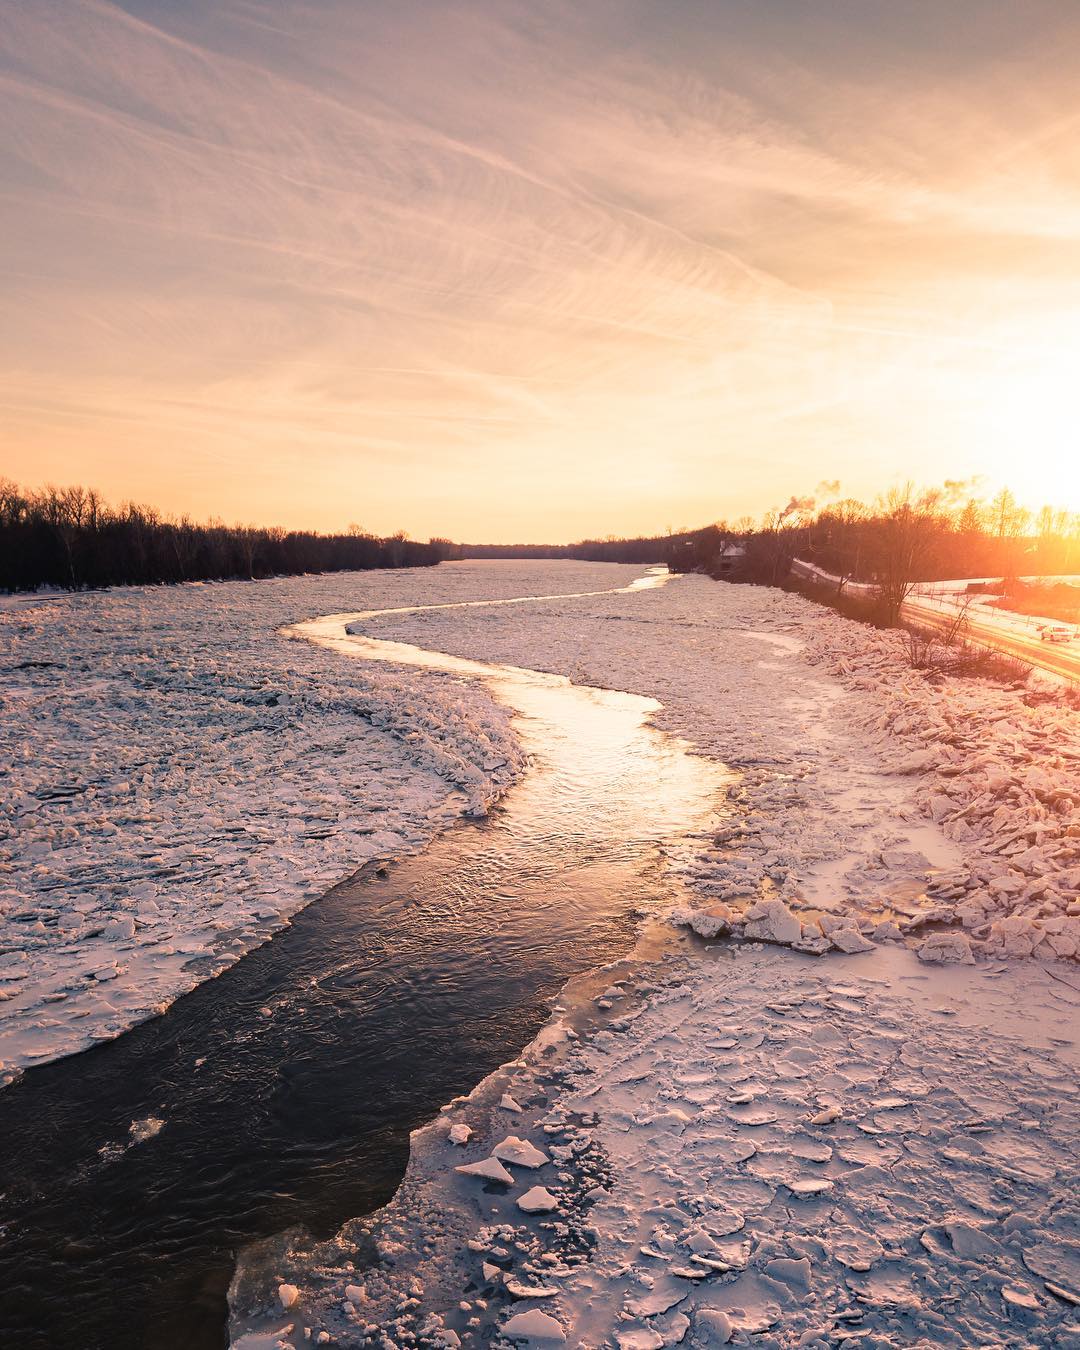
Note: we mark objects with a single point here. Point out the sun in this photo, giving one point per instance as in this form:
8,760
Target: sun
1031,418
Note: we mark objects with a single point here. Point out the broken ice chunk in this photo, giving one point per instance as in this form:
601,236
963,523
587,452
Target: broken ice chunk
489,1168
539,1200
772,921
534,1325
793,1272
810,1186
951,948
520,1151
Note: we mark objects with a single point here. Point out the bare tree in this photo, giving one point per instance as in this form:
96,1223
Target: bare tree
903,545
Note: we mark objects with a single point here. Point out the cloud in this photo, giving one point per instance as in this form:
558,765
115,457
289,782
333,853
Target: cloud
584,264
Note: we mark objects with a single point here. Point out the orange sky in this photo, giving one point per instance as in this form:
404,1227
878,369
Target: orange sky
506,271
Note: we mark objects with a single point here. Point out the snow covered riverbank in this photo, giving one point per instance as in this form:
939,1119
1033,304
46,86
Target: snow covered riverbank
777,1149
764,1150
183,778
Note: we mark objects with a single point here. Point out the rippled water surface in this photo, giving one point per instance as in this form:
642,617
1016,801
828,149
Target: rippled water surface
283,1092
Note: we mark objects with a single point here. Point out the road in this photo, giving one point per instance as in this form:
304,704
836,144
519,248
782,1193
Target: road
940,612
1060,659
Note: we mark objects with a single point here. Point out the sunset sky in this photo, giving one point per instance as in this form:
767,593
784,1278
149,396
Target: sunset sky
528,271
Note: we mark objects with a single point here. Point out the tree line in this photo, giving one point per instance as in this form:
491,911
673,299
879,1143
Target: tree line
71,539
643,549
904,538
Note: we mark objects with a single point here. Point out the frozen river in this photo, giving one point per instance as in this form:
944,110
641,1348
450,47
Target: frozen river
283,1091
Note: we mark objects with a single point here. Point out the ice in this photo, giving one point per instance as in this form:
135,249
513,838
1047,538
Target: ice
925,1111
715,1324
534,1326
210,780
947,947
849,939
1021,1298
638,1338
876,1232
1059,1263
518,1290
968,1240
810,1186
538,1200
267,1340
147,1128
794,1272
919,786
520,1152
489,1168
771,921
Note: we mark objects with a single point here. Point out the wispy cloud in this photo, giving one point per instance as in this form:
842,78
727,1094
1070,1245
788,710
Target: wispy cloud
587,270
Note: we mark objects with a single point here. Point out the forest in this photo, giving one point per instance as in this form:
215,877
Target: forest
69,538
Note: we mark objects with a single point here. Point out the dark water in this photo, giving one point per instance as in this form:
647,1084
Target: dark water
386,998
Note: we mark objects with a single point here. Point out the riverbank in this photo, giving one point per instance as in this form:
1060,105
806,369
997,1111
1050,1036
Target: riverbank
755,1148
759,1148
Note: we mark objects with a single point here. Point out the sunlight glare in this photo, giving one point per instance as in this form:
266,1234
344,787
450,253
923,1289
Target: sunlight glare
1033,423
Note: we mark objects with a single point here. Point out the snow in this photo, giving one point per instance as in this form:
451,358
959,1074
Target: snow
854,1121
908,1204
983,829
986,624
184,778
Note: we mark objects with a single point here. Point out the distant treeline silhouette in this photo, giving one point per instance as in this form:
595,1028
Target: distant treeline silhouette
640,550
70,538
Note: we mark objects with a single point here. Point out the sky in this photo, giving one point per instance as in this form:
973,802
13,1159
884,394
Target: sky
505,271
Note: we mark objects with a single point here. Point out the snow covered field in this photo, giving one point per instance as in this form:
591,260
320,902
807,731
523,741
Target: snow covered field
182,779
771,1148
